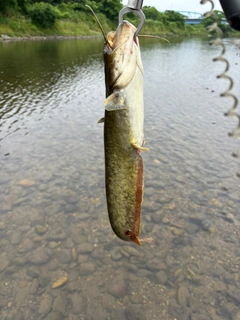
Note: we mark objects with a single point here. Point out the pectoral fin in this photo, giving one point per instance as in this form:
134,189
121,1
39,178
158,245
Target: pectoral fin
115,102
101,120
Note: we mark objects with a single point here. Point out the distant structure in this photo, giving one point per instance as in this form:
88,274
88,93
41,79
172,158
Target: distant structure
195,17
192,17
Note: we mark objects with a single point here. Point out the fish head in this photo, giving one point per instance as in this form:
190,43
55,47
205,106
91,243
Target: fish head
121,56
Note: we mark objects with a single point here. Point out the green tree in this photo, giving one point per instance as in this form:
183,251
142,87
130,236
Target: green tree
110,8
43,1
151,13
22,5
210,20
173,16
43,14
4,4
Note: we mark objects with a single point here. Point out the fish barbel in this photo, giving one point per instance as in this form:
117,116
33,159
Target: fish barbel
123,131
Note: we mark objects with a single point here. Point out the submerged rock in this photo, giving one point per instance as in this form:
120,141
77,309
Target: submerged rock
4,261
85,248
41,229
54,315
76,303
86,268
182,296
26,183
60,282
64,256
59,305
117,286
45,304
40,256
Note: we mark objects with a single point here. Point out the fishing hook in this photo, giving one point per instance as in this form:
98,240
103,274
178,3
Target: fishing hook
134,6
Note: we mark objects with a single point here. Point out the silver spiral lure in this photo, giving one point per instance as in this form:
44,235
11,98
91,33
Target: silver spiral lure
232,112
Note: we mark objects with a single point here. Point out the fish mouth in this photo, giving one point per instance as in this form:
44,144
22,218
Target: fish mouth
135,40
124,33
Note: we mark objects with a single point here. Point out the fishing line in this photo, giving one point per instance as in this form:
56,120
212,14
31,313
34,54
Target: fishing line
232,112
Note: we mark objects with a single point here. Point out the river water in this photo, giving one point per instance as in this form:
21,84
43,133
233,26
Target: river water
53,218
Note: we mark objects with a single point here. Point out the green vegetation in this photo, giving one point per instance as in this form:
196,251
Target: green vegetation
73,18
43,15
226,30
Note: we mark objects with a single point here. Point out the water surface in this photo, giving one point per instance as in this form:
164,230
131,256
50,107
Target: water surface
53,217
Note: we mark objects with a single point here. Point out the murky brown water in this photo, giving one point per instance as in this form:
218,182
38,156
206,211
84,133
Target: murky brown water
53,218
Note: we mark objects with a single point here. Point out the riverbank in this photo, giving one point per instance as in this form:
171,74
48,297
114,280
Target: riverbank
83,25
19,27
6,38
23,30
13,35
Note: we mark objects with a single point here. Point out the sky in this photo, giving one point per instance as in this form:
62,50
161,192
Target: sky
180,5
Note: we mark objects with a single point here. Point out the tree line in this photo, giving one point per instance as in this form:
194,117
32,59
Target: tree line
108,7
45,12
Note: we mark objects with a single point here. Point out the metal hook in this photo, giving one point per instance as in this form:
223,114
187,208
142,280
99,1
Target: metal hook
134,6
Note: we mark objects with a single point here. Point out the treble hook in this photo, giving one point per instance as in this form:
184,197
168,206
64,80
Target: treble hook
134,6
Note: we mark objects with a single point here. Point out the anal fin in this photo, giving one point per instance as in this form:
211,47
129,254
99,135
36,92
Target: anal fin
135,146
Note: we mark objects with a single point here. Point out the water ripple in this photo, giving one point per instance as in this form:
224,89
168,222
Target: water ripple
42,93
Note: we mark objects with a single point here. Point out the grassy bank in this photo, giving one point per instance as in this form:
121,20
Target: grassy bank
172,28
82,23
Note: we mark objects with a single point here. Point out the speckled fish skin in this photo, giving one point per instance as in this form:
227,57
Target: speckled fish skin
123,131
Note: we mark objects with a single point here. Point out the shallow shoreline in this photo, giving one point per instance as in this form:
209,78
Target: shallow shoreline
5,38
